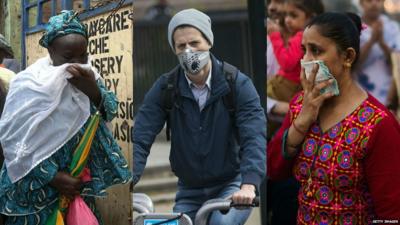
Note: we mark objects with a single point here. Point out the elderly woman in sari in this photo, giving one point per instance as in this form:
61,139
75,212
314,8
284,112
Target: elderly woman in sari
45,116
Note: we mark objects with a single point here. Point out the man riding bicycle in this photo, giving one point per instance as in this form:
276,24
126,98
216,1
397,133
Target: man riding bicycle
218,127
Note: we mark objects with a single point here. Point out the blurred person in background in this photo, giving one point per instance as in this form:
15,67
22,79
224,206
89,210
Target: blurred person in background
378,40
160,11
7,56
276,110
5,77
5,51
286,83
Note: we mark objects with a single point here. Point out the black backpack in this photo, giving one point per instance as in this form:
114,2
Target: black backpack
170,92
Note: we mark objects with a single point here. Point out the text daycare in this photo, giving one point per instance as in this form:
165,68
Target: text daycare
101,26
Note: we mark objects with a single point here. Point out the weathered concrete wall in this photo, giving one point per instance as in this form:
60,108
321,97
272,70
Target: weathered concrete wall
111,53
11,14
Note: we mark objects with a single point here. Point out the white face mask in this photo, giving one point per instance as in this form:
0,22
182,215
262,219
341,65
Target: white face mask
192,62
322,75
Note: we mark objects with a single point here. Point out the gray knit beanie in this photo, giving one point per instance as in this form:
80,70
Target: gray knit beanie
194,18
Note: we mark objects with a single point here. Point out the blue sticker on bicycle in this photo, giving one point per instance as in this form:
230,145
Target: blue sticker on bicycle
153,221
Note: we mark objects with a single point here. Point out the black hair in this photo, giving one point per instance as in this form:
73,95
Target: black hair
310,7
343,28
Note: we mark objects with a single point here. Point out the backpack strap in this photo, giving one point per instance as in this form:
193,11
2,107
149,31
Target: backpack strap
168,95
229,100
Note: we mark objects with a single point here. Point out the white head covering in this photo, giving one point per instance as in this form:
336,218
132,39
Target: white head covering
42,112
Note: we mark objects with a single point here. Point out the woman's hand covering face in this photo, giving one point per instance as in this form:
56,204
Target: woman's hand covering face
84,80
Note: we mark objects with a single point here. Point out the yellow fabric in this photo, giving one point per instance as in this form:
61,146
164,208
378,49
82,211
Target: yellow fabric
60,220
6,75
84,155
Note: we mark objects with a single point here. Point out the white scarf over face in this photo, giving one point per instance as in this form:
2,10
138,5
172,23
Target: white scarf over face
42,112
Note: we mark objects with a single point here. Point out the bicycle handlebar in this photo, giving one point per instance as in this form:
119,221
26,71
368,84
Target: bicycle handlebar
142,203
221,205
255,203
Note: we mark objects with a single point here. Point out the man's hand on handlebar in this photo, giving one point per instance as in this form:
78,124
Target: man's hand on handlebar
245,195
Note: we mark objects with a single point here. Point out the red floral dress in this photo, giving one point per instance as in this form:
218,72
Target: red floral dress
349,174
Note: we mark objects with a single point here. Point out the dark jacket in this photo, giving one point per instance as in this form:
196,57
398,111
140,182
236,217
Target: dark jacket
204,150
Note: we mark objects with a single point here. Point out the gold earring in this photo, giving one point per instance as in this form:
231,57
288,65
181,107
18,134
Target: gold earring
348,65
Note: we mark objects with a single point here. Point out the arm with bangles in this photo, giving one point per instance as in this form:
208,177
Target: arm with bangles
312,102
292,133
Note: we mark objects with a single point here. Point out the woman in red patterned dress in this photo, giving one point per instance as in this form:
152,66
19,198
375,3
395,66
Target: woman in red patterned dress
344,149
